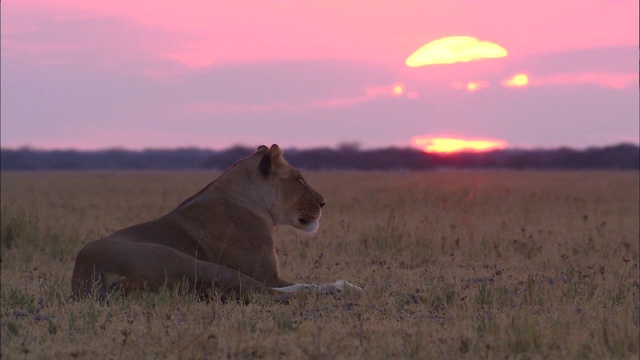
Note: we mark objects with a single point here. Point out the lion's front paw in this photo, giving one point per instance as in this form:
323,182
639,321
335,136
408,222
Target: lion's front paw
342,289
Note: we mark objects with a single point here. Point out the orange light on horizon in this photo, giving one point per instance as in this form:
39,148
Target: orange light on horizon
453,49
448,145
517,80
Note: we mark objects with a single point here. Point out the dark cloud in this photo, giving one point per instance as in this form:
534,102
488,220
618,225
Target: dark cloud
106,44
614,59
283,82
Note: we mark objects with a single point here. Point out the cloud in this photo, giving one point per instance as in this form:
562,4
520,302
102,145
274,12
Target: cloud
455,49
49,37
604,80
605,59
366,95
611,81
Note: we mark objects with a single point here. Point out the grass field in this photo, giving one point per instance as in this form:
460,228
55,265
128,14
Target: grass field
454,265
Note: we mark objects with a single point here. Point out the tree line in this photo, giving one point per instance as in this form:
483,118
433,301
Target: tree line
622,156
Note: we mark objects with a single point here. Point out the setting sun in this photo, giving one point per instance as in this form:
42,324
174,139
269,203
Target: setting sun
447,145
455,49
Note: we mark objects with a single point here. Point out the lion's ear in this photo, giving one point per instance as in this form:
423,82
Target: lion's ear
261,149
270,159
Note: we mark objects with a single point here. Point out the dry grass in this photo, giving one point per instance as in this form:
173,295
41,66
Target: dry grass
454,265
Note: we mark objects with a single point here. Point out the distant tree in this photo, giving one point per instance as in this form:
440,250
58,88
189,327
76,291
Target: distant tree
349,147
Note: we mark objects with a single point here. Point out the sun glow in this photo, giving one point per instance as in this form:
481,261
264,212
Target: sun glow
398,90
471,86
518,80
448,145
455,49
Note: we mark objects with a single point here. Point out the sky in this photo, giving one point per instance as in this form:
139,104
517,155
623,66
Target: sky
143,74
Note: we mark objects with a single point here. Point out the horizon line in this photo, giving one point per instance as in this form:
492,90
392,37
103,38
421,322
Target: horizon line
345,145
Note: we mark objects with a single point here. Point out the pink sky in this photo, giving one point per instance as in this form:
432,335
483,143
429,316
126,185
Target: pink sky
138,74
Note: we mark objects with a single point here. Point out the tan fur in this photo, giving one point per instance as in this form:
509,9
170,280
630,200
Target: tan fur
220,239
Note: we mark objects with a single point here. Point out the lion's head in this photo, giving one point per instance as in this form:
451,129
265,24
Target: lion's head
299,205
269,182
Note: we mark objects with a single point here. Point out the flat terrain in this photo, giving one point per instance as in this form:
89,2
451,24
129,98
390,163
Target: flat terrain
454,265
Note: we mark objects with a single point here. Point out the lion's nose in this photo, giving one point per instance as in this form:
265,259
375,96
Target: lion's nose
322,203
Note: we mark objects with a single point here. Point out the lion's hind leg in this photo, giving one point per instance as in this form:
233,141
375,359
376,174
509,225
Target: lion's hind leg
118,264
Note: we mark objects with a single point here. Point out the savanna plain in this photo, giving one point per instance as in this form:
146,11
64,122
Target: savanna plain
488,264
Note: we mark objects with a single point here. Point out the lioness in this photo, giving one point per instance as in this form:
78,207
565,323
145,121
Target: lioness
219,240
